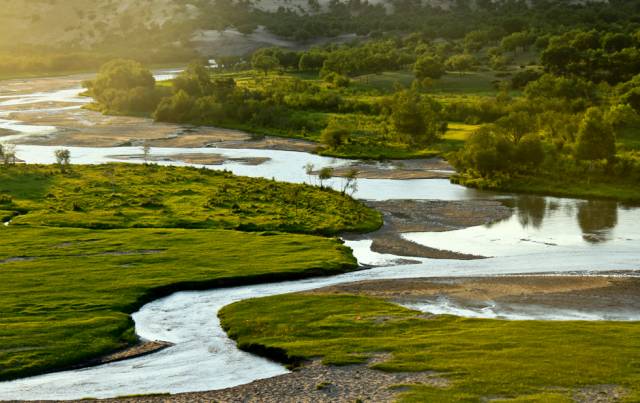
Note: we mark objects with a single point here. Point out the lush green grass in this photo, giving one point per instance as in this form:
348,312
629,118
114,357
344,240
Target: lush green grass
599,188
127,196
483,359
66,293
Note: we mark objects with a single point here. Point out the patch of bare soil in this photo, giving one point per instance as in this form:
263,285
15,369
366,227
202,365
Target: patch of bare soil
599,394
592,293
428,168
402,216
312,383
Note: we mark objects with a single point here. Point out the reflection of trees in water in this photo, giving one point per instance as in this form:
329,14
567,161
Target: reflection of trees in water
531,210
597,218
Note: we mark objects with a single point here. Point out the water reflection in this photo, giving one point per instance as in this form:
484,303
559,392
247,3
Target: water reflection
597,219
531,210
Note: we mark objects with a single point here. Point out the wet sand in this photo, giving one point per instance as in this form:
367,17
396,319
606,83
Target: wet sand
77,126
425,168
199,159
402,216
586,293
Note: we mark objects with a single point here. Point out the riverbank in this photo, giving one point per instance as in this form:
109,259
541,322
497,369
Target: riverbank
604,189
552,293
315,382
537,360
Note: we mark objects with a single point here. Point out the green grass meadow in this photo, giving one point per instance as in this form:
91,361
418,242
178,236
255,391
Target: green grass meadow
496,360
88,247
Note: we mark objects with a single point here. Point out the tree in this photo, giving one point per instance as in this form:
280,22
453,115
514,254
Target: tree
559,58
476,40
516,41
516,124
311,61
146,152
63,158
416,118
428,67
350,181
530,152
195,80
124,86
325,174
632,98
308,169
596,138
461,62
334,136
486,151
8,154
264,62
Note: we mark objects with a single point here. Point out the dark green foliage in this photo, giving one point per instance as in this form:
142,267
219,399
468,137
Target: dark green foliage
334,136
416,117
596,139
428,67
124,86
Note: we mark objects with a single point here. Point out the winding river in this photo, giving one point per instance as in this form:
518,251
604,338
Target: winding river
544,235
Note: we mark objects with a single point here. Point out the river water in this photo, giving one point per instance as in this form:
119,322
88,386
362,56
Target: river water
544,235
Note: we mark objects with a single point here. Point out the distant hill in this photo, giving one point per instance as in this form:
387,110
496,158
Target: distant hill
83,23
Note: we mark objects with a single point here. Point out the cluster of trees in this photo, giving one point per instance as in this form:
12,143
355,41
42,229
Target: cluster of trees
596,56
562,125
124,86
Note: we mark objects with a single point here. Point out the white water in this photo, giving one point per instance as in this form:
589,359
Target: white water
535,240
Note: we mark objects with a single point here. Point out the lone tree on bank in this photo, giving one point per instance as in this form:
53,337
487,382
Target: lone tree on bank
8,154
63,158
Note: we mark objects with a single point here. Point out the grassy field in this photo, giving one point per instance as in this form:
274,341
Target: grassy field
513,361
66,292
127,195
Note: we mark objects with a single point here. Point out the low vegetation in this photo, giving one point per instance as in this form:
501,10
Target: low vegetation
134,196
88,245
483,359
